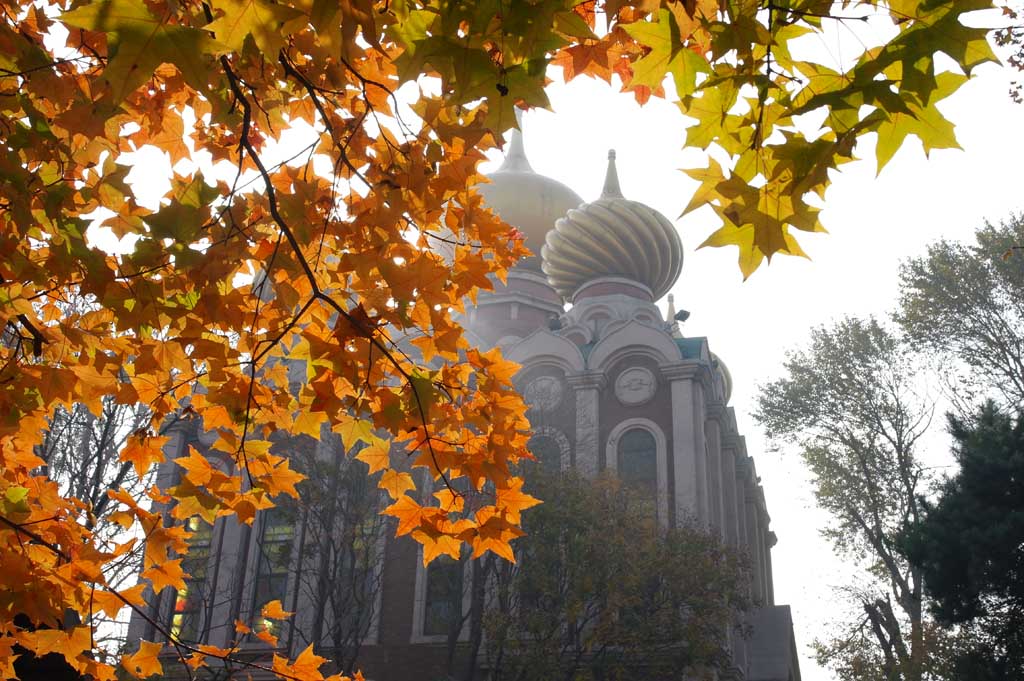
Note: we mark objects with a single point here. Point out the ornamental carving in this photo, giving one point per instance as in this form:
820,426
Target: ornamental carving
635,386
543,393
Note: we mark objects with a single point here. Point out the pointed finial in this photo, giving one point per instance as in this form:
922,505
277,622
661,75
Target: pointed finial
672,321
515,157
611,179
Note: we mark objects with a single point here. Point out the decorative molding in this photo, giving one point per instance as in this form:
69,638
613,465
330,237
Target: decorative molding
685,370
635,386
544,393
595,380
717,411
634,338
542,346
564,448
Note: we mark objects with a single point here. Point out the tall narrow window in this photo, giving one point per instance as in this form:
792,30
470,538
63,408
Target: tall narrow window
443,603
547,451
190,599
638,463
274,555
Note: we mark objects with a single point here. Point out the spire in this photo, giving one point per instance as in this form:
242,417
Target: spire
672,321
515,157
611,179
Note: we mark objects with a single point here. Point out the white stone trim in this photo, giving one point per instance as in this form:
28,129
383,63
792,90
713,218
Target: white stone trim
543,346
634,338
661,450
564,448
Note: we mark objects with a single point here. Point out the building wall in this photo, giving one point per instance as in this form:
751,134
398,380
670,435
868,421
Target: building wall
607,365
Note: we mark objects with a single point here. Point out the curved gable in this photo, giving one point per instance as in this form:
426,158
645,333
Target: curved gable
634,337
543,346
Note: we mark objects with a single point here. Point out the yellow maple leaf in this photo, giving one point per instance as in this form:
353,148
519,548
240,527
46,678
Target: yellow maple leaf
377,456
396,483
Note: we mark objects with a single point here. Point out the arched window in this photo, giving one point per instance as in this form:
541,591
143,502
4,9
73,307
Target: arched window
547,451
638,461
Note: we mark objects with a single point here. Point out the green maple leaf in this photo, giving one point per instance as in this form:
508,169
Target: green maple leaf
668,55
267,22
140,42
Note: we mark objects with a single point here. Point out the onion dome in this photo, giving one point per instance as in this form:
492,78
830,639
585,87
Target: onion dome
726,376
528,201
612,236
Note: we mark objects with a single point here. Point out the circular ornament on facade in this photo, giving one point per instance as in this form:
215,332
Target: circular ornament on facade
543,393
635,386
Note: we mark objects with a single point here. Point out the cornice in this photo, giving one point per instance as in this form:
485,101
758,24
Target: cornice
587,379
685,370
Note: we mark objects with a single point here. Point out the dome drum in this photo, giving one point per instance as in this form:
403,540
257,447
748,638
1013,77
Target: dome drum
607,286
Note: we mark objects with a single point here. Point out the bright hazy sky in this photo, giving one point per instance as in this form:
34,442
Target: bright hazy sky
874,223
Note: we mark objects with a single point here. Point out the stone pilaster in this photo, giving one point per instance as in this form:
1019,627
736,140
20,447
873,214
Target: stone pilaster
753,544
716,477
730,451
588,441
689,455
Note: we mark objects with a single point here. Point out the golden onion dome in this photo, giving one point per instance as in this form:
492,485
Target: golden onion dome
526,200
612,236
726,375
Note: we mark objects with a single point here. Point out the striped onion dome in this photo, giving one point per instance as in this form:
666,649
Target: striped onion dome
612,236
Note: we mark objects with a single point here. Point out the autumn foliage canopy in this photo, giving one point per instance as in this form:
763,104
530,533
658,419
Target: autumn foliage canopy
322,150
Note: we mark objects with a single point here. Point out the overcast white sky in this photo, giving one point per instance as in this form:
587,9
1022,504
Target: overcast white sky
874,223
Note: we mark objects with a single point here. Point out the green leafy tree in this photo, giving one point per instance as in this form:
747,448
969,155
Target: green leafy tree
849,404
964,303
968,544
602,592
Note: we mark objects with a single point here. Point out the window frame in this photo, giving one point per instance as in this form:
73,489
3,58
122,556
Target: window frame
661,455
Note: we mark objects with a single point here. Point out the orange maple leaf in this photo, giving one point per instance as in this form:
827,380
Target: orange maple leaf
164,574
144,663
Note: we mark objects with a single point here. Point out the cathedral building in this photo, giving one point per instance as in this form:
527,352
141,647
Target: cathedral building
612,385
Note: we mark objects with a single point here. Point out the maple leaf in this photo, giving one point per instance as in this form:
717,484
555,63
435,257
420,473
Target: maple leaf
512,500
267,22
377,456
408,513
396,483
668,55
144,663
165,574
141,42
273,610
306,666
143,452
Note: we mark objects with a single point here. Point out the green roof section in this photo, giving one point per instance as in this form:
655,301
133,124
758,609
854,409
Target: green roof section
690,347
